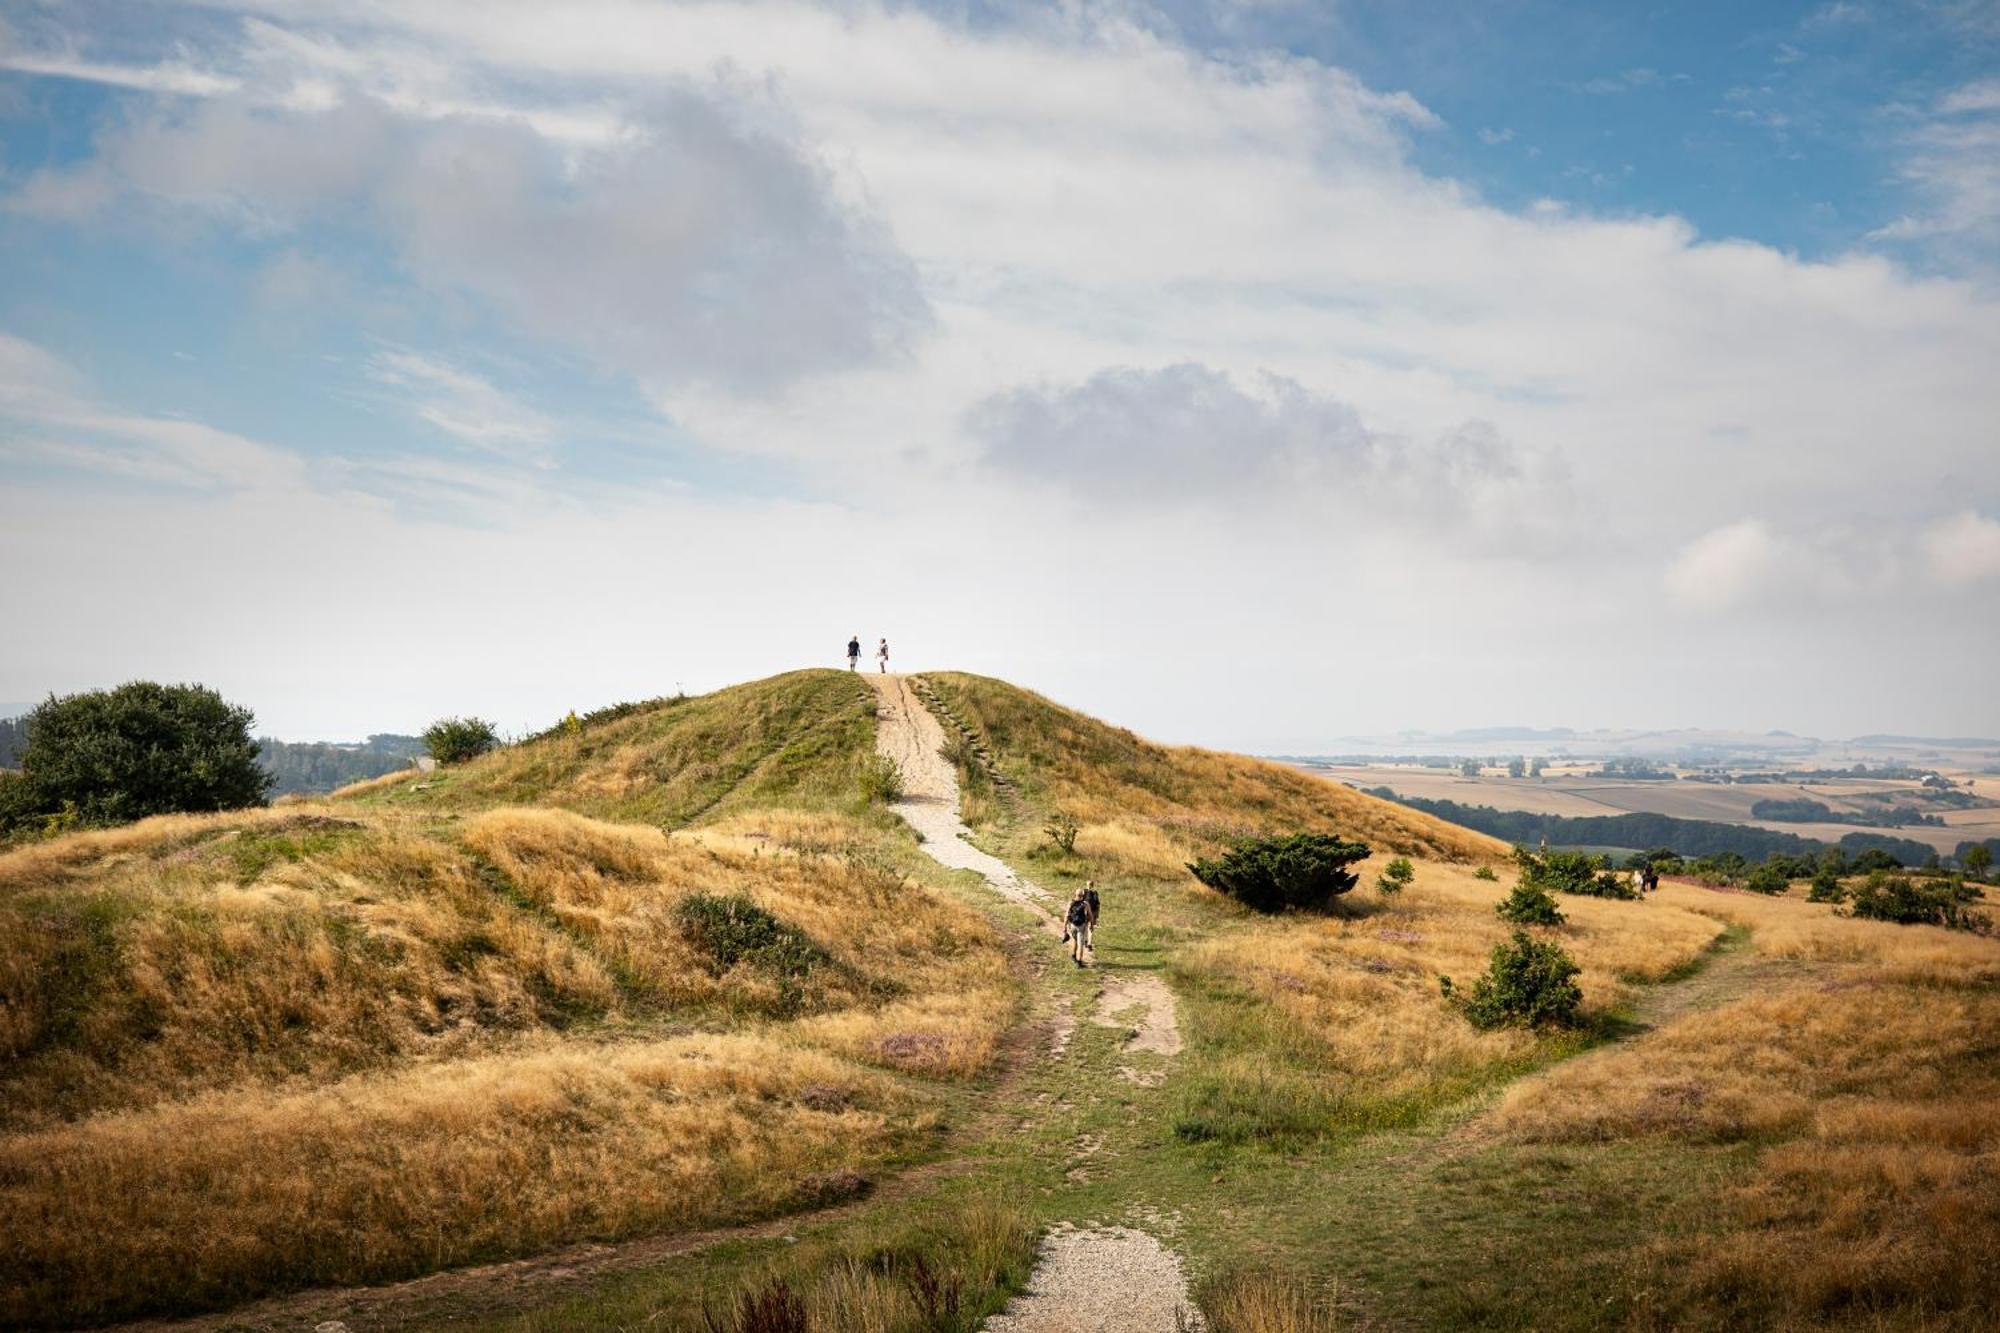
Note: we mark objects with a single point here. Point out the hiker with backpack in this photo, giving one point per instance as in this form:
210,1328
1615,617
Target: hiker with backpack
854,652
1076,920
1090,926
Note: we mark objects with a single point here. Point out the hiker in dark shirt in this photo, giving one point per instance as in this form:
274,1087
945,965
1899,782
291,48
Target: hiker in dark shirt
854,652
1090,926
1076,920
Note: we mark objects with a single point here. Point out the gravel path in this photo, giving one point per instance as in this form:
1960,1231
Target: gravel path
1093,1280
910,736
1101,1280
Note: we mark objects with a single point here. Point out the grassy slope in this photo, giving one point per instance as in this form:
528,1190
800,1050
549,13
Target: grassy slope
456,986
797,741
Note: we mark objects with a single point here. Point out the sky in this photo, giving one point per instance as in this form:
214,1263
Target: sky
1252,374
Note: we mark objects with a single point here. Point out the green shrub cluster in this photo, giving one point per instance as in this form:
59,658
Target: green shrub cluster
1572,872
454,740
729,929
1909,902
1530,905
1768,878
1826,886
1528,983
1304,871
112,756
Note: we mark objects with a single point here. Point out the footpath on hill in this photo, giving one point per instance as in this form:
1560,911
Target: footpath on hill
1112,1279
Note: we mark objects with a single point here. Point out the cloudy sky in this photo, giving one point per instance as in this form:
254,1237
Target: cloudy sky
1248,373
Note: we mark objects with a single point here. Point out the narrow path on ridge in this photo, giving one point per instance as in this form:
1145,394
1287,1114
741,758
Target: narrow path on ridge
1106,1279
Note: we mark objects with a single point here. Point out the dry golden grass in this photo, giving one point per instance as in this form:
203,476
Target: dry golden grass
1873,1074
1147,809
1364,989
234,1193
1790,927
191,952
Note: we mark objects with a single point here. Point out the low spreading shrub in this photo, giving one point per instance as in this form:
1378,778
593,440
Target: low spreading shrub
1486,873
454,740
1529,905
1908,902
1528,983
729,929
1274,874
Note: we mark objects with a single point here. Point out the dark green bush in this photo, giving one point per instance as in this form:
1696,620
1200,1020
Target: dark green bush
1529,983
1826,886
1528,905
1485,872
1062,830
1396,876
1767,878
1301,870
1907,902
453,740
1572,872
729,929
111,756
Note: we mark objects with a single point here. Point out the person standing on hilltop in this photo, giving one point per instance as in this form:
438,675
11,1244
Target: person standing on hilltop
882,657
854,652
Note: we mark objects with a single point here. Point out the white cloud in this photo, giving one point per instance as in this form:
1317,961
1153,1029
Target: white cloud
1952,164
697,246
464,405
1738,563
1964,549
1493,138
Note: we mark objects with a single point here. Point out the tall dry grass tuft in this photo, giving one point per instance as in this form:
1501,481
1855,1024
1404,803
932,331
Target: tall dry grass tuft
1266,1303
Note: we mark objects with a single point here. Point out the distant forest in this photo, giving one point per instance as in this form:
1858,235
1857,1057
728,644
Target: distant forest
1689,837
299,766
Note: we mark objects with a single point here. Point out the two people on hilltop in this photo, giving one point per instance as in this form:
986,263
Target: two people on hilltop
854,654
1080,922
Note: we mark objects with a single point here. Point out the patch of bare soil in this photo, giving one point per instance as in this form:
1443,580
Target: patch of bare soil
1103,1279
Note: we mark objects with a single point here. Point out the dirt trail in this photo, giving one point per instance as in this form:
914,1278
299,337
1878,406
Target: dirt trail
910,736
1106,1279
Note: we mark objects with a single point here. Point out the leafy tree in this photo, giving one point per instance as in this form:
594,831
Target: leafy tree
1978,859
1517,767
1396,876
1470,768
1530,905
1826,887
110,756
454,740
1528,983
1572,872
1273,874
1537,766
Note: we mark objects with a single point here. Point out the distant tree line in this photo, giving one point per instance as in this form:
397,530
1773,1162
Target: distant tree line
1689,837
322,766
1802,810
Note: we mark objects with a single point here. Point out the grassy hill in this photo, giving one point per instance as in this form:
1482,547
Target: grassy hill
681,967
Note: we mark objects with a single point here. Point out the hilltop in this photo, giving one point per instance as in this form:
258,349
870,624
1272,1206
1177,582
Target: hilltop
674,1004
